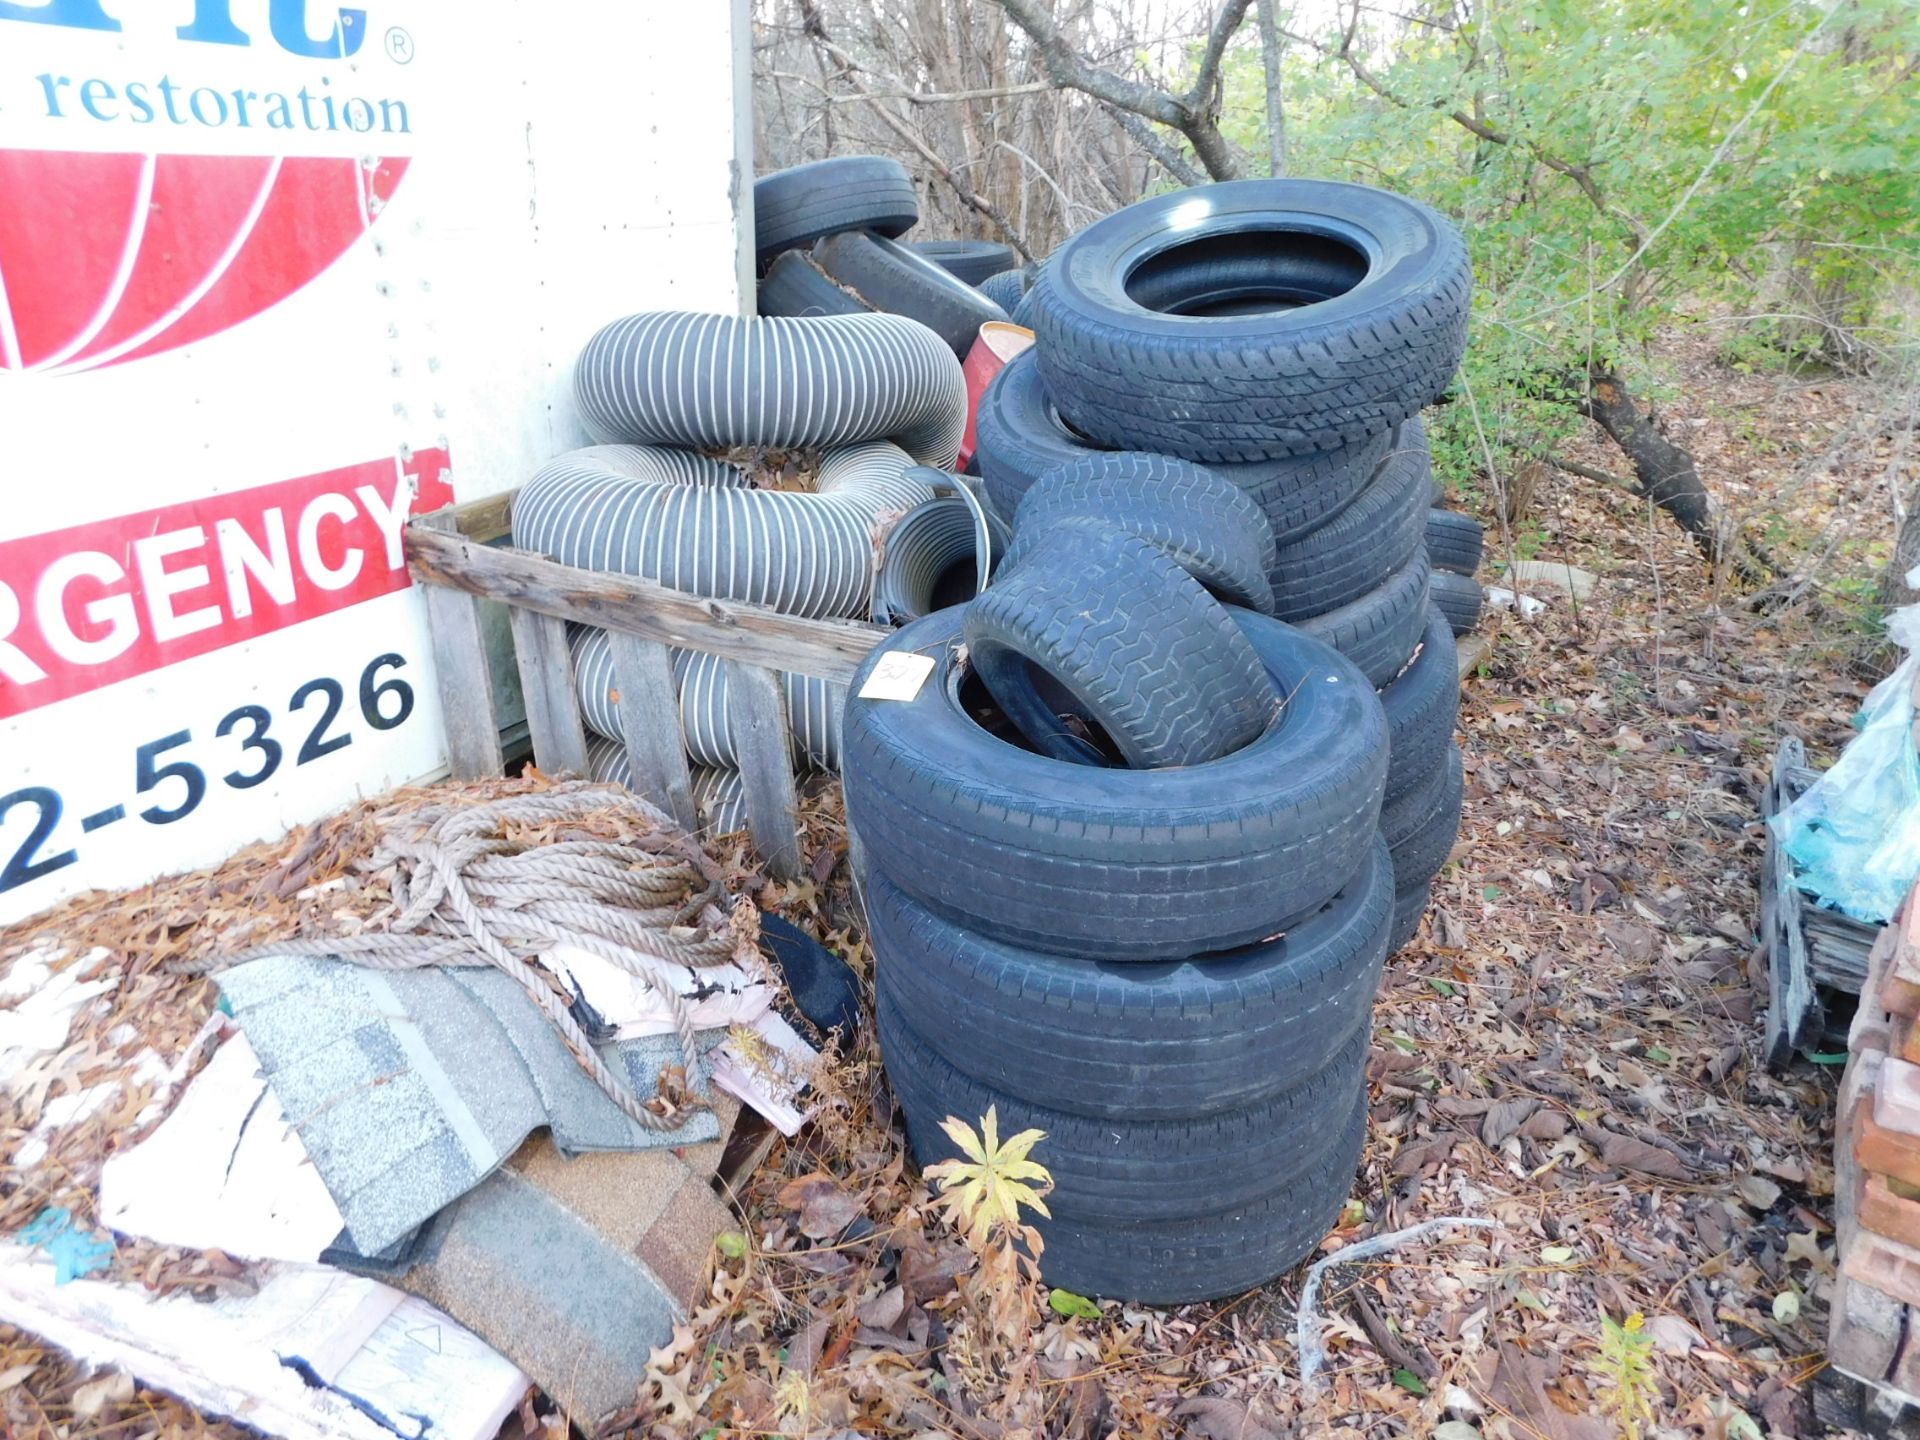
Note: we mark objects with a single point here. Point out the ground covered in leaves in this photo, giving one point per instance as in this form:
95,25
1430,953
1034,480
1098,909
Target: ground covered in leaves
1568,1051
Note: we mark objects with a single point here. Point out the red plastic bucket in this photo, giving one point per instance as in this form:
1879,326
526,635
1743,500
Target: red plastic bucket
998,342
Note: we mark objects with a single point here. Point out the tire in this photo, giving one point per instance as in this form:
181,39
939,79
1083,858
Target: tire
1378,631
1455,542
1023,312
1422,704
1186,1038
1296,315
1117,864
893,278
1129,1170
1459,599
795,286
1174,1262
1005,289
1420,828
1409,908
1148,654
793,208
1206,525
1374,536
1020,436
970,261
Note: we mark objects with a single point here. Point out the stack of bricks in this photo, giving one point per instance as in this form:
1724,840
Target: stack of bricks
1874,1339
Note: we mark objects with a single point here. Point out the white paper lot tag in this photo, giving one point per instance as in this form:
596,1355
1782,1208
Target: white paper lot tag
898,676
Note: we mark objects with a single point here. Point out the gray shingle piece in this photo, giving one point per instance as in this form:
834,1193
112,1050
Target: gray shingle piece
409,1087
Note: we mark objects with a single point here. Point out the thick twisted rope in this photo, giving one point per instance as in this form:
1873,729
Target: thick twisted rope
466,892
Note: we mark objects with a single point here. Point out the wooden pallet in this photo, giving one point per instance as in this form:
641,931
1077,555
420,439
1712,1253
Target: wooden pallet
451,554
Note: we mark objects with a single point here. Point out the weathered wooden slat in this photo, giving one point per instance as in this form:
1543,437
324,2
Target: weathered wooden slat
649,708
546,680
759,707
485,519
465,677
829,649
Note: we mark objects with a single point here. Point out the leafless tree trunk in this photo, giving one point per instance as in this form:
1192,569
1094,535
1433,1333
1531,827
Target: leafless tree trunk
1272,56
1196,114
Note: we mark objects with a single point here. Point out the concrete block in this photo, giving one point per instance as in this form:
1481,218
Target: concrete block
1866,1330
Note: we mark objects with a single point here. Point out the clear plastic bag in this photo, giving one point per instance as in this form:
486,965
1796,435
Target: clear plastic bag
1855,835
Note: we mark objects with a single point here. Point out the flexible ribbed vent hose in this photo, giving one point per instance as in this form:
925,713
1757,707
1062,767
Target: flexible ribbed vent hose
813,705
696,525
719,796
713,381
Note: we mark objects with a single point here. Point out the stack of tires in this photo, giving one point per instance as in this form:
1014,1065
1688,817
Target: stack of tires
1122,864
827,240
1286,334
1455,545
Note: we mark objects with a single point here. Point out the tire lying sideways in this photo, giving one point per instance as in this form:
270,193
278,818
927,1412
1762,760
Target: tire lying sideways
893,278
1130,1170
1204,524
1421,703
1254,319
795,287
1375,535
1378,631
1147,653
1455,542
1118,864
1216,1034
972,261
794,208
1459,599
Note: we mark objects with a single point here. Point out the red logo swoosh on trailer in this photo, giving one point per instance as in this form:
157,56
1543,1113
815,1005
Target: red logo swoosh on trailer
109,258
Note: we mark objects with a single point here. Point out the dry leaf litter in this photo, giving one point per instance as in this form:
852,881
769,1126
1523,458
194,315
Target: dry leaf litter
1567,1051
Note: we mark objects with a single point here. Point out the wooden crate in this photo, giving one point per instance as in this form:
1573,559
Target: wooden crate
449,554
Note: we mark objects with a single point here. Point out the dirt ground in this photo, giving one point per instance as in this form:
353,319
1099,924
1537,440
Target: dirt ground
1568,1051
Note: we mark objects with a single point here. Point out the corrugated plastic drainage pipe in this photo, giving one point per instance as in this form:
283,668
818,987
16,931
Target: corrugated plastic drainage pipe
710,381
720,796
813,705
697,525
927,545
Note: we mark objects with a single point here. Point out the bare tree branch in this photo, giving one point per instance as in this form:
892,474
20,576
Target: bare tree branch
1195,115
1164,155
850,70
1272,57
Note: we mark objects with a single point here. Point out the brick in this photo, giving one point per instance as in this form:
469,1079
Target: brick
1883,1151
1866,1329
1869,1030
1896,1097
1885,1264
1888,1214
1856,1085
1900,989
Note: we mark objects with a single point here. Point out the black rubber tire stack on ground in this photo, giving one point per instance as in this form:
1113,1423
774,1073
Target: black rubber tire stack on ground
1122,860
1123,886
1455,545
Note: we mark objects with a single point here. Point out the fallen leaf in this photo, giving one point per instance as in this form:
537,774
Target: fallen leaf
884,1309
93,1397
1629,1153
1517,1383
1557,1254
1454,1430
825,1209
1803,1246
12,1377
1786,1307
1757,1191
1504,1119
1673,1335
1215,1417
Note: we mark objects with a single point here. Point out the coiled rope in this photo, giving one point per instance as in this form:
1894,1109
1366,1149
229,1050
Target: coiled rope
471,887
